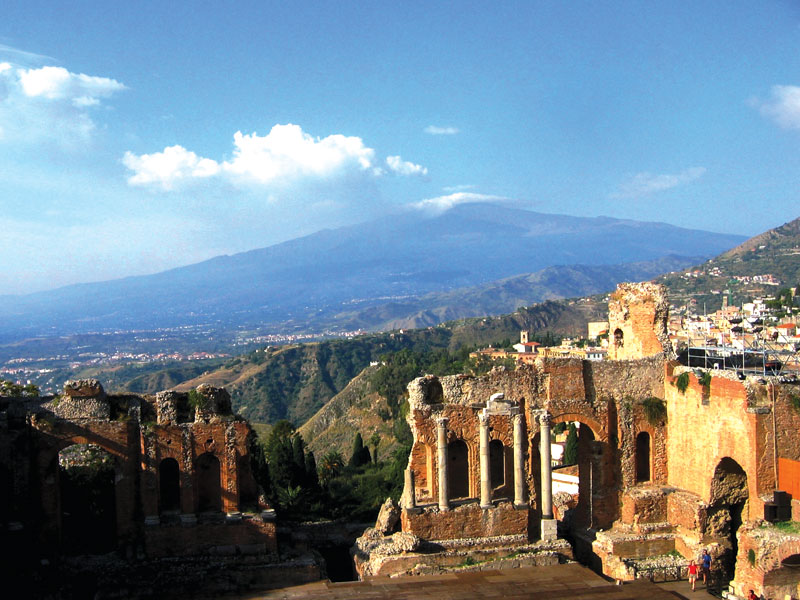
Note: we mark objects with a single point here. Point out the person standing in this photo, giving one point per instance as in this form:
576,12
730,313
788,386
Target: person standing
692,573
705,561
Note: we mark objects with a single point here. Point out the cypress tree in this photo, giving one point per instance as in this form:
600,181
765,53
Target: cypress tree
571,447
311,471
358,451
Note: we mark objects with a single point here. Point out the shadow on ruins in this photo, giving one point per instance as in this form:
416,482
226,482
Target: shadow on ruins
663,471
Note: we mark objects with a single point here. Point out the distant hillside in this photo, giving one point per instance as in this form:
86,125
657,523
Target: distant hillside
357,408
743,271
294,382
507,295
304,283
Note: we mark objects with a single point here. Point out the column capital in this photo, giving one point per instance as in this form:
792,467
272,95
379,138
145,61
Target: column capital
483,418
544,418
516,419
442,421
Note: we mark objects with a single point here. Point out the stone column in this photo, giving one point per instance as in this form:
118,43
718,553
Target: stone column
549,525
547,470
409,492
486,476
441,439
519,460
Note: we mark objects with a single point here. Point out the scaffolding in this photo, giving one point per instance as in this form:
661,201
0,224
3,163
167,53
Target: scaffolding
749,354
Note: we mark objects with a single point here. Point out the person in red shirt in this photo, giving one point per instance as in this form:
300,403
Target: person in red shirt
692,573
752,596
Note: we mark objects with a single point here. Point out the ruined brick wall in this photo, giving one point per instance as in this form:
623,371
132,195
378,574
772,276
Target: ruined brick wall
469,521
637,321
705,426
250,535
765,575
139,433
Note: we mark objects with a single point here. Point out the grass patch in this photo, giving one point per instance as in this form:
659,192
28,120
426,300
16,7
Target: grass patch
788,526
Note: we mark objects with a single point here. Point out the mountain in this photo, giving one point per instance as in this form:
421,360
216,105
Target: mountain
307,281
760,266
506,295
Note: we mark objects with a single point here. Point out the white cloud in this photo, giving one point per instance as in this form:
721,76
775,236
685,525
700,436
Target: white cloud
643,184
436,130
402,167
287,152
167,168
783,107
440,204
284,156
458,188
50,103
56,83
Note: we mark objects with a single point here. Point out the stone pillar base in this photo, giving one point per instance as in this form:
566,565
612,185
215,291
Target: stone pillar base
549,529
188,519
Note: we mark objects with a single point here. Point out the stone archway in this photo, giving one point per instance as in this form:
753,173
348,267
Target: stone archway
727,511
458,469
87,499
169,487
209,488
784,581
643,469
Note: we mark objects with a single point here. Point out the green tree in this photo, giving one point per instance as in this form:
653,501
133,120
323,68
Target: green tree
360,455
571,447
312,478
375,441
330,466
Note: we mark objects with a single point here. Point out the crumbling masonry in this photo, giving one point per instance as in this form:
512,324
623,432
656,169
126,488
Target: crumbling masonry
659,469
181,485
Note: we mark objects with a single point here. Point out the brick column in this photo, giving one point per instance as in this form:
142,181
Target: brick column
519,460
441,438
486,476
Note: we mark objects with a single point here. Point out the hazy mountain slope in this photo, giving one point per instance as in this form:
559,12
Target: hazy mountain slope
307,278
506,295
775,252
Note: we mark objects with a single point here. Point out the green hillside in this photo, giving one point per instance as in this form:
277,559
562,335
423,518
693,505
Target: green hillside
741,271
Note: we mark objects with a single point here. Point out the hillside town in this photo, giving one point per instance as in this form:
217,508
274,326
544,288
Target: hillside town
760,334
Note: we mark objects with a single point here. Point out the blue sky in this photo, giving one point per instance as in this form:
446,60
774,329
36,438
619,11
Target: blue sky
139,136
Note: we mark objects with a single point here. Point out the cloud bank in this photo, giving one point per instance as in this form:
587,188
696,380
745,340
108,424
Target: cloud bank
50,104
283,156
440,204
644,184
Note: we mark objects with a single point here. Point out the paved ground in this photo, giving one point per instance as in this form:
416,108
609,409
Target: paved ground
560,582
685,590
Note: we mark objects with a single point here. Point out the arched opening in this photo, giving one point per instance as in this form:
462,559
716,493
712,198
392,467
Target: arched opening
169,486
619,338
577,486
458,469
88,500
209,490
784,582
427,487
729,495
497,464
643,457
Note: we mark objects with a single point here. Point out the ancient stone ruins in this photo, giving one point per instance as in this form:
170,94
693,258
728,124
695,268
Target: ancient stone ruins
671,460
662,468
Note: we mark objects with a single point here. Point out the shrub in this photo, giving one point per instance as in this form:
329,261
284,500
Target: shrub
655,411
682,383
